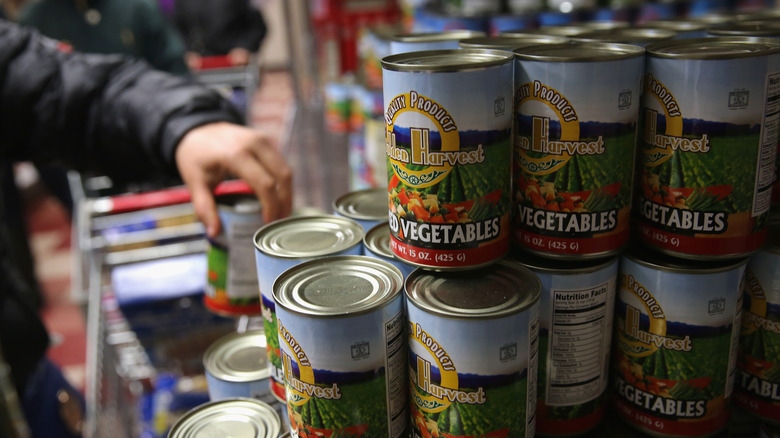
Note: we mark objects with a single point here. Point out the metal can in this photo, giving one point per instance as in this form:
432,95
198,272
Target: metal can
683,28
676,337
341,330
235,417
635,35
376,243
606,25
367,207
707,145
374,134
565,30
374,44
285,243
510,43
768,28
715,18
575,335
752,28
337,96
423,41
236,365
758,378
576,108
231,286
449,155
473,345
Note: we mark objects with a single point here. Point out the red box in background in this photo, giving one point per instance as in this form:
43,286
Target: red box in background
337,25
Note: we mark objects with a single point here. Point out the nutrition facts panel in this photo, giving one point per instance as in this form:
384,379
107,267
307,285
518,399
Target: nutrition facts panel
770,127
396,377
578,343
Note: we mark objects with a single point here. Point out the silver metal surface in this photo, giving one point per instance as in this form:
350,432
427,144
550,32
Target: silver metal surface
234,418
238,357
338,286
368,204
445,60
714,48
504,288
308,236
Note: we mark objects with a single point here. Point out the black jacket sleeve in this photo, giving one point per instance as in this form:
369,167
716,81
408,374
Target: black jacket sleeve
100,112
105,113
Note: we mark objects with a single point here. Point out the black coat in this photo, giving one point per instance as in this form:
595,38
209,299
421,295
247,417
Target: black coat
106,113
214,27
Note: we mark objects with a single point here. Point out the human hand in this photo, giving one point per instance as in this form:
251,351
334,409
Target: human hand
239,56
194,60
210,153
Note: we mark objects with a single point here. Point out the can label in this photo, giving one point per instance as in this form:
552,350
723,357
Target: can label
359,393
574,156
707,158
758,378
448,150
231,285
271,325
675,353
269,268
574,346
473,378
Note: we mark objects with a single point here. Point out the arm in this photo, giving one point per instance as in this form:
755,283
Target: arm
120,117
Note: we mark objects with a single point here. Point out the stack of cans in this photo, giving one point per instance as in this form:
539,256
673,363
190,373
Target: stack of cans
564,223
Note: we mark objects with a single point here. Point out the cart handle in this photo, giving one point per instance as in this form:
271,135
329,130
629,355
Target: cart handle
159,198
215,62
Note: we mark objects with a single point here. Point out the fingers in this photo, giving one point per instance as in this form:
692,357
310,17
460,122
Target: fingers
279,202
208,153
270,179
205,207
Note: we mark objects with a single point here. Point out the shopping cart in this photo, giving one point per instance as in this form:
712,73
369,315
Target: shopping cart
120,231
237,83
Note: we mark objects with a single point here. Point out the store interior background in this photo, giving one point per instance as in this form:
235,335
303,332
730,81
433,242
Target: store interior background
296,63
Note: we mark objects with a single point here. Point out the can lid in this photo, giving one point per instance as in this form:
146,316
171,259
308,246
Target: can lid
606,25
574,267
503,288
712,48
338,286
239,203
567,30
377,240
764,14
634,35
641,254
308,236
368,204
426,37
446,60
579,52
234,417
715,18
676,25
238,357
508,42
756,28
